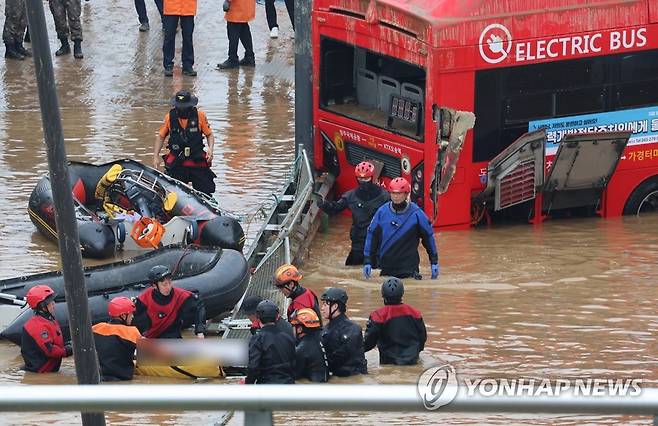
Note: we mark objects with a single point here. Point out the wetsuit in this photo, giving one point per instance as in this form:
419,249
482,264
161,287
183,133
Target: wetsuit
301,298
42,344
271,357
164,317
311,359
393,238
399,333
363,202
281,325
115,345
343,342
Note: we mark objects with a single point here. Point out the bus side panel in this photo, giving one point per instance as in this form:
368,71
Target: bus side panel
638,164
653,11
456,90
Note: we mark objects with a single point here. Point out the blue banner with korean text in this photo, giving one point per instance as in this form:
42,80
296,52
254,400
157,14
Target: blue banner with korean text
642,122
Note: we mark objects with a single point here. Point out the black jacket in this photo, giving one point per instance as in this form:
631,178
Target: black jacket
343,342
271,357
399,333
311,359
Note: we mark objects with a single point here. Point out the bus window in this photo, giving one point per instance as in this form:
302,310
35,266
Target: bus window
360,84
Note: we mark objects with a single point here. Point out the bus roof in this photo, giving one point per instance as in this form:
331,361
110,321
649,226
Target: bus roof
444,23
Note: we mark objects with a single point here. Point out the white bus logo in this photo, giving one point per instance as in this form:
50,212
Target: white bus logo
495,43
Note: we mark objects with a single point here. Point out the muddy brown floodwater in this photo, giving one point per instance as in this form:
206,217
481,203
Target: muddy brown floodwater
568,299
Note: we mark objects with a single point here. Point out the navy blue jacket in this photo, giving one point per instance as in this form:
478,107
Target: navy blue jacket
393,240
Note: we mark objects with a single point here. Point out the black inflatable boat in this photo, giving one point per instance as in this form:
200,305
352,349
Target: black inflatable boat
100,235
219,276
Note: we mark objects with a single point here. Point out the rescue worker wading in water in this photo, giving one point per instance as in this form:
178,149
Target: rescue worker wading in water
311,360
116,341
186,160
42,342
363,202
249,306
161,309
286,279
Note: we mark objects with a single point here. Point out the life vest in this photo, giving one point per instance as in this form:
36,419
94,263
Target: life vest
162,316
305,299
190,137
179,7
43,347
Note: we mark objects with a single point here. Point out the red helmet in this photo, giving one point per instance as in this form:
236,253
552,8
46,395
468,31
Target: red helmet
364,170
38,294
119,306
399,184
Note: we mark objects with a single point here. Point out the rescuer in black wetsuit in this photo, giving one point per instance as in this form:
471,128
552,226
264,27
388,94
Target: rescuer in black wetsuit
116,341
311,359
161,309
342,338
271,352
42,342
249,306
397,329
363,202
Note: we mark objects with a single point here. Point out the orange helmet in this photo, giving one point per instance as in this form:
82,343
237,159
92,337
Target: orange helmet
364,170
38,294
119,306
286,273
306,318
399,184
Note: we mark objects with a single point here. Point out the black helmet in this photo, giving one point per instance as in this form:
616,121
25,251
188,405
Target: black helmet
249,304
335,295
392,288
159,273
267,311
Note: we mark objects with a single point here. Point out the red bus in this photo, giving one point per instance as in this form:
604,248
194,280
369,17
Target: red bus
391,77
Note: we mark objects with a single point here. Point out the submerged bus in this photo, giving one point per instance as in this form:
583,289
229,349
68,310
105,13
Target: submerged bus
400,82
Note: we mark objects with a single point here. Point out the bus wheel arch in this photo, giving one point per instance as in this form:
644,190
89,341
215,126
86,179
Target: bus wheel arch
644,198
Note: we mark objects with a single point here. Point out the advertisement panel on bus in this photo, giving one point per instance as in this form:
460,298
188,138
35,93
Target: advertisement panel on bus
642,122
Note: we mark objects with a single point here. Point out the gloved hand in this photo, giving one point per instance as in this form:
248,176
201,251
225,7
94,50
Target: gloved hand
367,270
435,271
68,348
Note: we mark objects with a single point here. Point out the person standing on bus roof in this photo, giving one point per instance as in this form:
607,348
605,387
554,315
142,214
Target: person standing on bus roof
363,202
286,279
394,234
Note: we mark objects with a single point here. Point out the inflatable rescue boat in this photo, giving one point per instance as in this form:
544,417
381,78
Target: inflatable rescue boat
219,276
125,205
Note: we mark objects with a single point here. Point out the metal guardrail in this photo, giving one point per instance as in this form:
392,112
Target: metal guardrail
259,401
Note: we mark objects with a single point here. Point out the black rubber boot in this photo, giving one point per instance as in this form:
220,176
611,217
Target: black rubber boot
22,50
11,52
77,49
65,49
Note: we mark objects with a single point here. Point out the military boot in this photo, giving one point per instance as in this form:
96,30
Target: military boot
77,49
11,52
65,49
22,50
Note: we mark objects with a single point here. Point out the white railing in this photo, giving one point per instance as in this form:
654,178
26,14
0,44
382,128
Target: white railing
259,401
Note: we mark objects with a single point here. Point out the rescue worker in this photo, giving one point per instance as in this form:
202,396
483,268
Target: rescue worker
140,7
237,15
116,341
342,338
42,342
161,309
12,33
397,329
394,234
271,352
66,14
363,202
186,160
310,358
286,279
249,308
175,11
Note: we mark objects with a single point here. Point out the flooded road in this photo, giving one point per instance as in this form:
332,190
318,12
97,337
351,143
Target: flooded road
567,300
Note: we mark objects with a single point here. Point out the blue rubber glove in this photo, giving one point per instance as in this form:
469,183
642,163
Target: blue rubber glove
367,270
435,271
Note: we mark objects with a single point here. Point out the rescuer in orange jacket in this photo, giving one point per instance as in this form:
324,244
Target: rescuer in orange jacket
42,342
237,16
286,279
175,11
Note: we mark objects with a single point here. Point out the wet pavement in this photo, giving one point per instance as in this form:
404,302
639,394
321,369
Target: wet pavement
566,300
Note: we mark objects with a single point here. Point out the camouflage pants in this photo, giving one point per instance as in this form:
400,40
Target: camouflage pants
67,14
15,21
